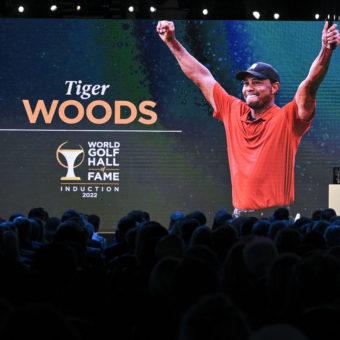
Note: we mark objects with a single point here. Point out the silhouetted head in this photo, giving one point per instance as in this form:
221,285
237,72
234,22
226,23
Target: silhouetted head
140,216
184,228
222,217
332,236
52,223
261,227
39,213
213,317
176,216
223,239
162,276
259,255
199,216
246,227
124,225
24,228
281,214
71,232
288,240
316,216
327,214
275,226
72,215
320,226
201,235
95,221
170,245
147,238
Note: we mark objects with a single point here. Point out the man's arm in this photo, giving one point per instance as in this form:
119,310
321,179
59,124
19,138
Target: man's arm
306,93
191,67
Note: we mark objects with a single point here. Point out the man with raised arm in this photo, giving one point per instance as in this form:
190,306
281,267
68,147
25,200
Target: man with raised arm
262,138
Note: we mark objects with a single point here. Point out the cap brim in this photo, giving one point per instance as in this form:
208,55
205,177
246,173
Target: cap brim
244,74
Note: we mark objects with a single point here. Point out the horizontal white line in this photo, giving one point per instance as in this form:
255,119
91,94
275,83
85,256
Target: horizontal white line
63,130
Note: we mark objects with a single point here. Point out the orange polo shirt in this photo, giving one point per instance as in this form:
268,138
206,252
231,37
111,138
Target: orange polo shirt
262,152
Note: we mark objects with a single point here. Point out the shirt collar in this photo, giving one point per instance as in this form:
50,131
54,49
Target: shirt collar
267,115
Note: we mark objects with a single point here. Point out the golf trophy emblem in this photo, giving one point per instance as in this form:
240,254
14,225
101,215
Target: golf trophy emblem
71,156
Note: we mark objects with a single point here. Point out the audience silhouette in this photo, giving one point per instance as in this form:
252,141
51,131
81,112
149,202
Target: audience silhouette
240,278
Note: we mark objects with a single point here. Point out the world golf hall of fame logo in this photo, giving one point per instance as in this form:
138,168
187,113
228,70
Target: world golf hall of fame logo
70,155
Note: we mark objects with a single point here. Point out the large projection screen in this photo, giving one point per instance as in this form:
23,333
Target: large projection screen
96,115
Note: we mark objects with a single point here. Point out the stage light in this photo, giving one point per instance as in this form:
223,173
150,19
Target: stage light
131,9
205,11
276,16
53,8
256,15
152,9
317,16
78,7
21,9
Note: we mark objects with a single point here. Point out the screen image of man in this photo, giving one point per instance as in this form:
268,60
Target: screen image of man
262,138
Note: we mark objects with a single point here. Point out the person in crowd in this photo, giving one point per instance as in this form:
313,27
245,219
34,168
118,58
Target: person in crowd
95,221
195,282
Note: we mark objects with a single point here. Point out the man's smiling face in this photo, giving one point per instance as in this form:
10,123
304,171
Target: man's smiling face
259,93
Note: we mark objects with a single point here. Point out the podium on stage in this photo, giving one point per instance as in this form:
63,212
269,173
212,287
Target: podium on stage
334,197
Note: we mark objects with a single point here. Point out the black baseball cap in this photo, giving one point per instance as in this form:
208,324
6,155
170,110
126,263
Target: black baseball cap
259,70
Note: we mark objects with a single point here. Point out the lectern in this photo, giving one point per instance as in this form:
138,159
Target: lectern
334,197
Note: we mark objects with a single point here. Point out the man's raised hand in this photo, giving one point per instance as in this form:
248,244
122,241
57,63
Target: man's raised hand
166,30
330,35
